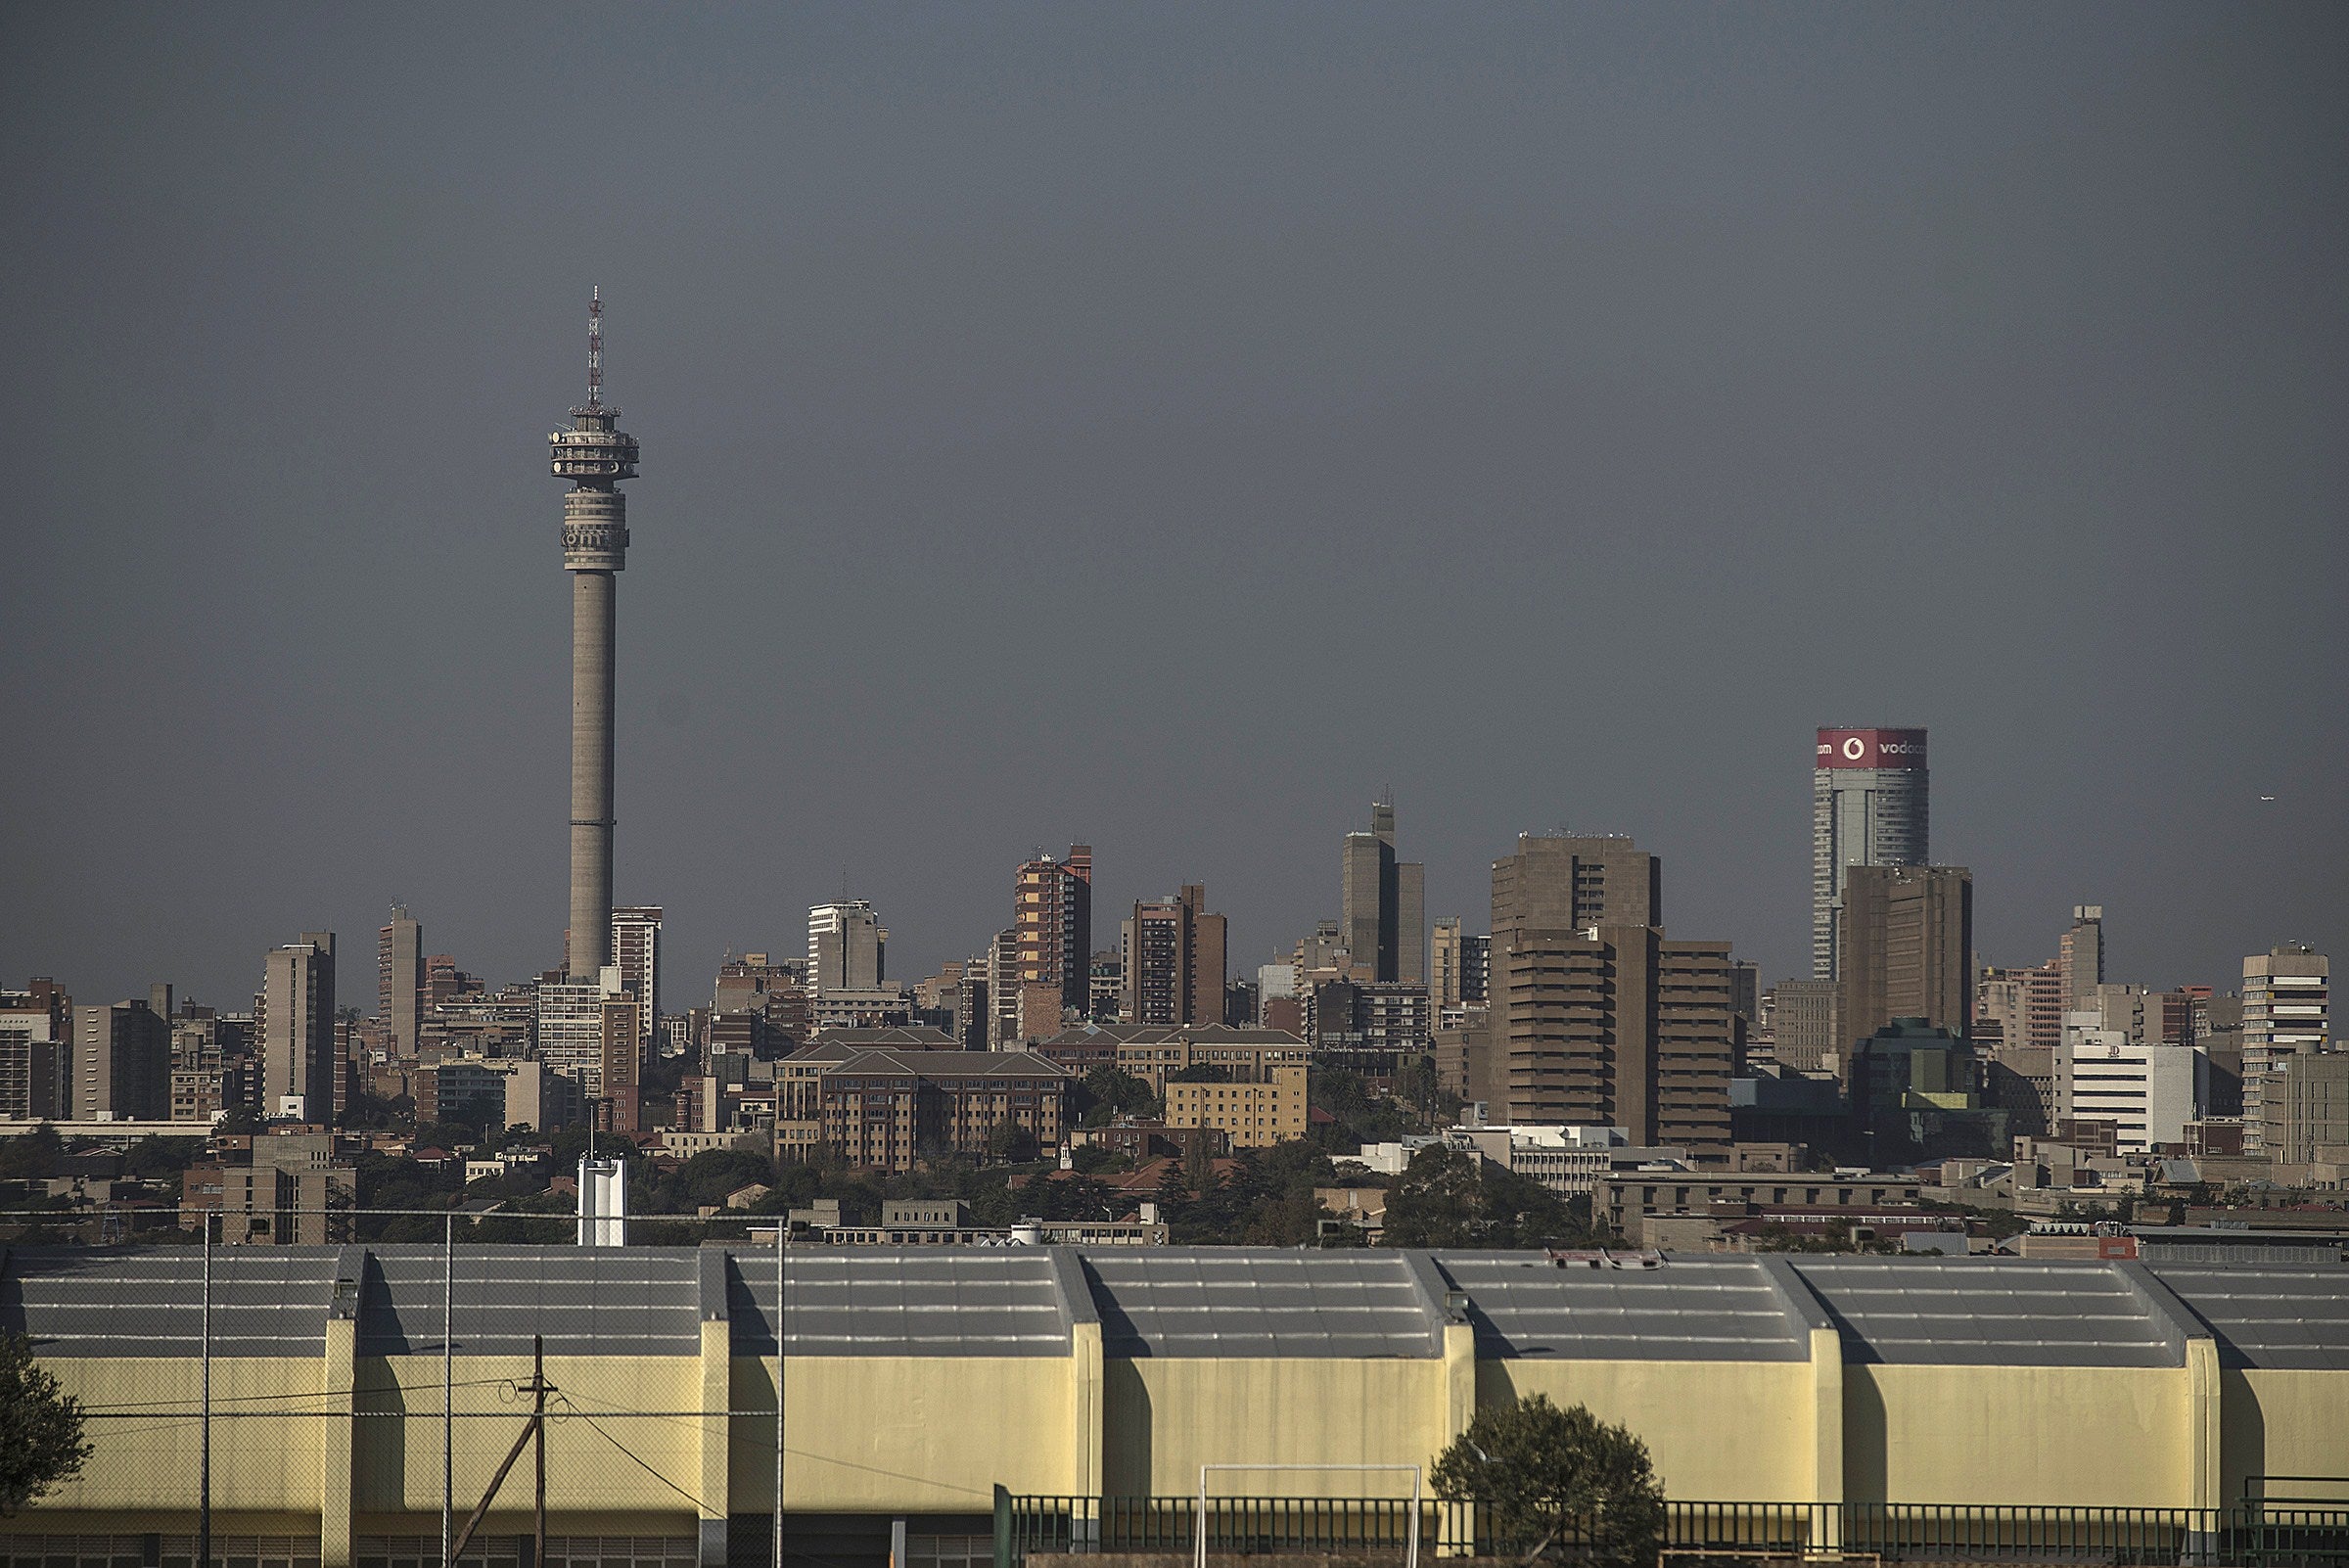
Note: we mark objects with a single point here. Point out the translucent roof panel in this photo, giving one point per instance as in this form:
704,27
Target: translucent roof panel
266,1300
891,1301
2281,1317
1988,1313
1689,1309
1251,1302
609,1301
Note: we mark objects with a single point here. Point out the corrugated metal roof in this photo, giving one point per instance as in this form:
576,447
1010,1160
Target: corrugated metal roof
1183,1302
873,1301
613,1300
1692,1308
266,1300
1980,1312
2295,1318
1248,1302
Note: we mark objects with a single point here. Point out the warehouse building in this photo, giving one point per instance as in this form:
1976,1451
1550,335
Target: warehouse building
917,1381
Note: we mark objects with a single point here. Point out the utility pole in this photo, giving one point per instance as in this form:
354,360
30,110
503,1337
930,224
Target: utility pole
538,1424
203,1463
540,1388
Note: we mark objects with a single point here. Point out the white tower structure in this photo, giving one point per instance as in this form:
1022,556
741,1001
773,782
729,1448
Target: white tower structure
594,454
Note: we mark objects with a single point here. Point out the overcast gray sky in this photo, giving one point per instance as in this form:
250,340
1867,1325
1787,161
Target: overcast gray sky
1165,426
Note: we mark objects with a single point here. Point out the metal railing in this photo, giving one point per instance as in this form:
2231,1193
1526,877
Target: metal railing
2257,1532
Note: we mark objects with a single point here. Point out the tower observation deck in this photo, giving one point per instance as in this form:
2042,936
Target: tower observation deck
594,454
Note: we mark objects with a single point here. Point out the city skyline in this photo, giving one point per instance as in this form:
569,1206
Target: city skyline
284,672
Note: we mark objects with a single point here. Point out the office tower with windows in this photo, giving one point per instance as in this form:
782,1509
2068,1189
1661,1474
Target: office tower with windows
1867,808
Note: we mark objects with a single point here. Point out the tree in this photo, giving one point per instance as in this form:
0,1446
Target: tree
1557,1478
42,1445
31,1156
1009,1141
1438,1203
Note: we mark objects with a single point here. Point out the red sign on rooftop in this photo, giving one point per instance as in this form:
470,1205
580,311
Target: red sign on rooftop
1872,748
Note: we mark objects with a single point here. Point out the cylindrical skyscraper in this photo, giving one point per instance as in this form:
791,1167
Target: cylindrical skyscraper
1867,808
594,454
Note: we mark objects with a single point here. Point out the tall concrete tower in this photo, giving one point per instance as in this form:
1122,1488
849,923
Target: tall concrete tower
594,454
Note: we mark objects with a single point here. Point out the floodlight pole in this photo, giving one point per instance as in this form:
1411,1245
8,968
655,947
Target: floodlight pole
203,1463
781,1221
448,1432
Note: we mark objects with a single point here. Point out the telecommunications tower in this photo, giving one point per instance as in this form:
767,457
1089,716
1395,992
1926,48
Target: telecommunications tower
594,454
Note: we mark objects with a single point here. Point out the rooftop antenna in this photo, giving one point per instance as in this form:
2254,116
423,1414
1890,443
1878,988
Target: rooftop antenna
595,346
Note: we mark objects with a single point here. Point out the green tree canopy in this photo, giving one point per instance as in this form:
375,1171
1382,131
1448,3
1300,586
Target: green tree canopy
41,1445
1558,1482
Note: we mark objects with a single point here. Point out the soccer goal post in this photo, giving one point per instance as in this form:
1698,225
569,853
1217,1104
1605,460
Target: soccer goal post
1200,1531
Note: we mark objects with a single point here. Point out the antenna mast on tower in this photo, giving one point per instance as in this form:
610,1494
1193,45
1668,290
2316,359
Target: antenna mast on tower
595,346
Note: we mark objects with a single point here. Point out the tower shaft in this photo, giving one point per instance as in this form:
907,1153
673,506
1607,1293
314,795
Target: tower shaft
593,664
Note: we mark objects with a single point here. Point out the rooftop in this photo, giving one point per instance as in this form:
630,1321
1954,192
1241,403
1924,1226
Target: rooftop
1178,1303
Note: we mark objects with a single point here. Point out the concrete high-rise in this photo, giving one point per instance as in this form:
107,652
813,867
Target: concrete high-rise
1559,882
594,454
400,980
122,1064
1174,953
1908,935
1867,808
636,952
2286,1013
1443,964
848,947
1616,1026
297,1029
1382,903
2079,955
1052,919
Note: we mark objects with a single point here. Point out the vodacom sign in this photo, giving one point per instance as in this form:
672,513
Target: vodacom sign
1872,748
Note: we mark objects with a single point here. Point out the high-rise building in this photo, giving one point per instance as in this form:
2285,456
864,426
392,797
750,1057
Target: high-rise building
1802,1023
297,1029
1052,921
36,1053
2148,1091
636,950
848,947
1476,970
2286,1013
1443,964
1173,958
1001,967
1382,903
2019,1009
1907,935
585,1037
2306,1108
594,454
1867,808
2079,955
121,1063
1616,1026
400,992
1562,882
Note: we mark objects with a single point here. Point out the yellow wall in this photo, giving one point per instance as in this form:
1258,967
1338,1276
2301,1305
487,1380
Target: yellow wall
1716,1430
2112,1436
2282,1423
874,1434
140,1461
1166,1417
887,1434
399,1462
